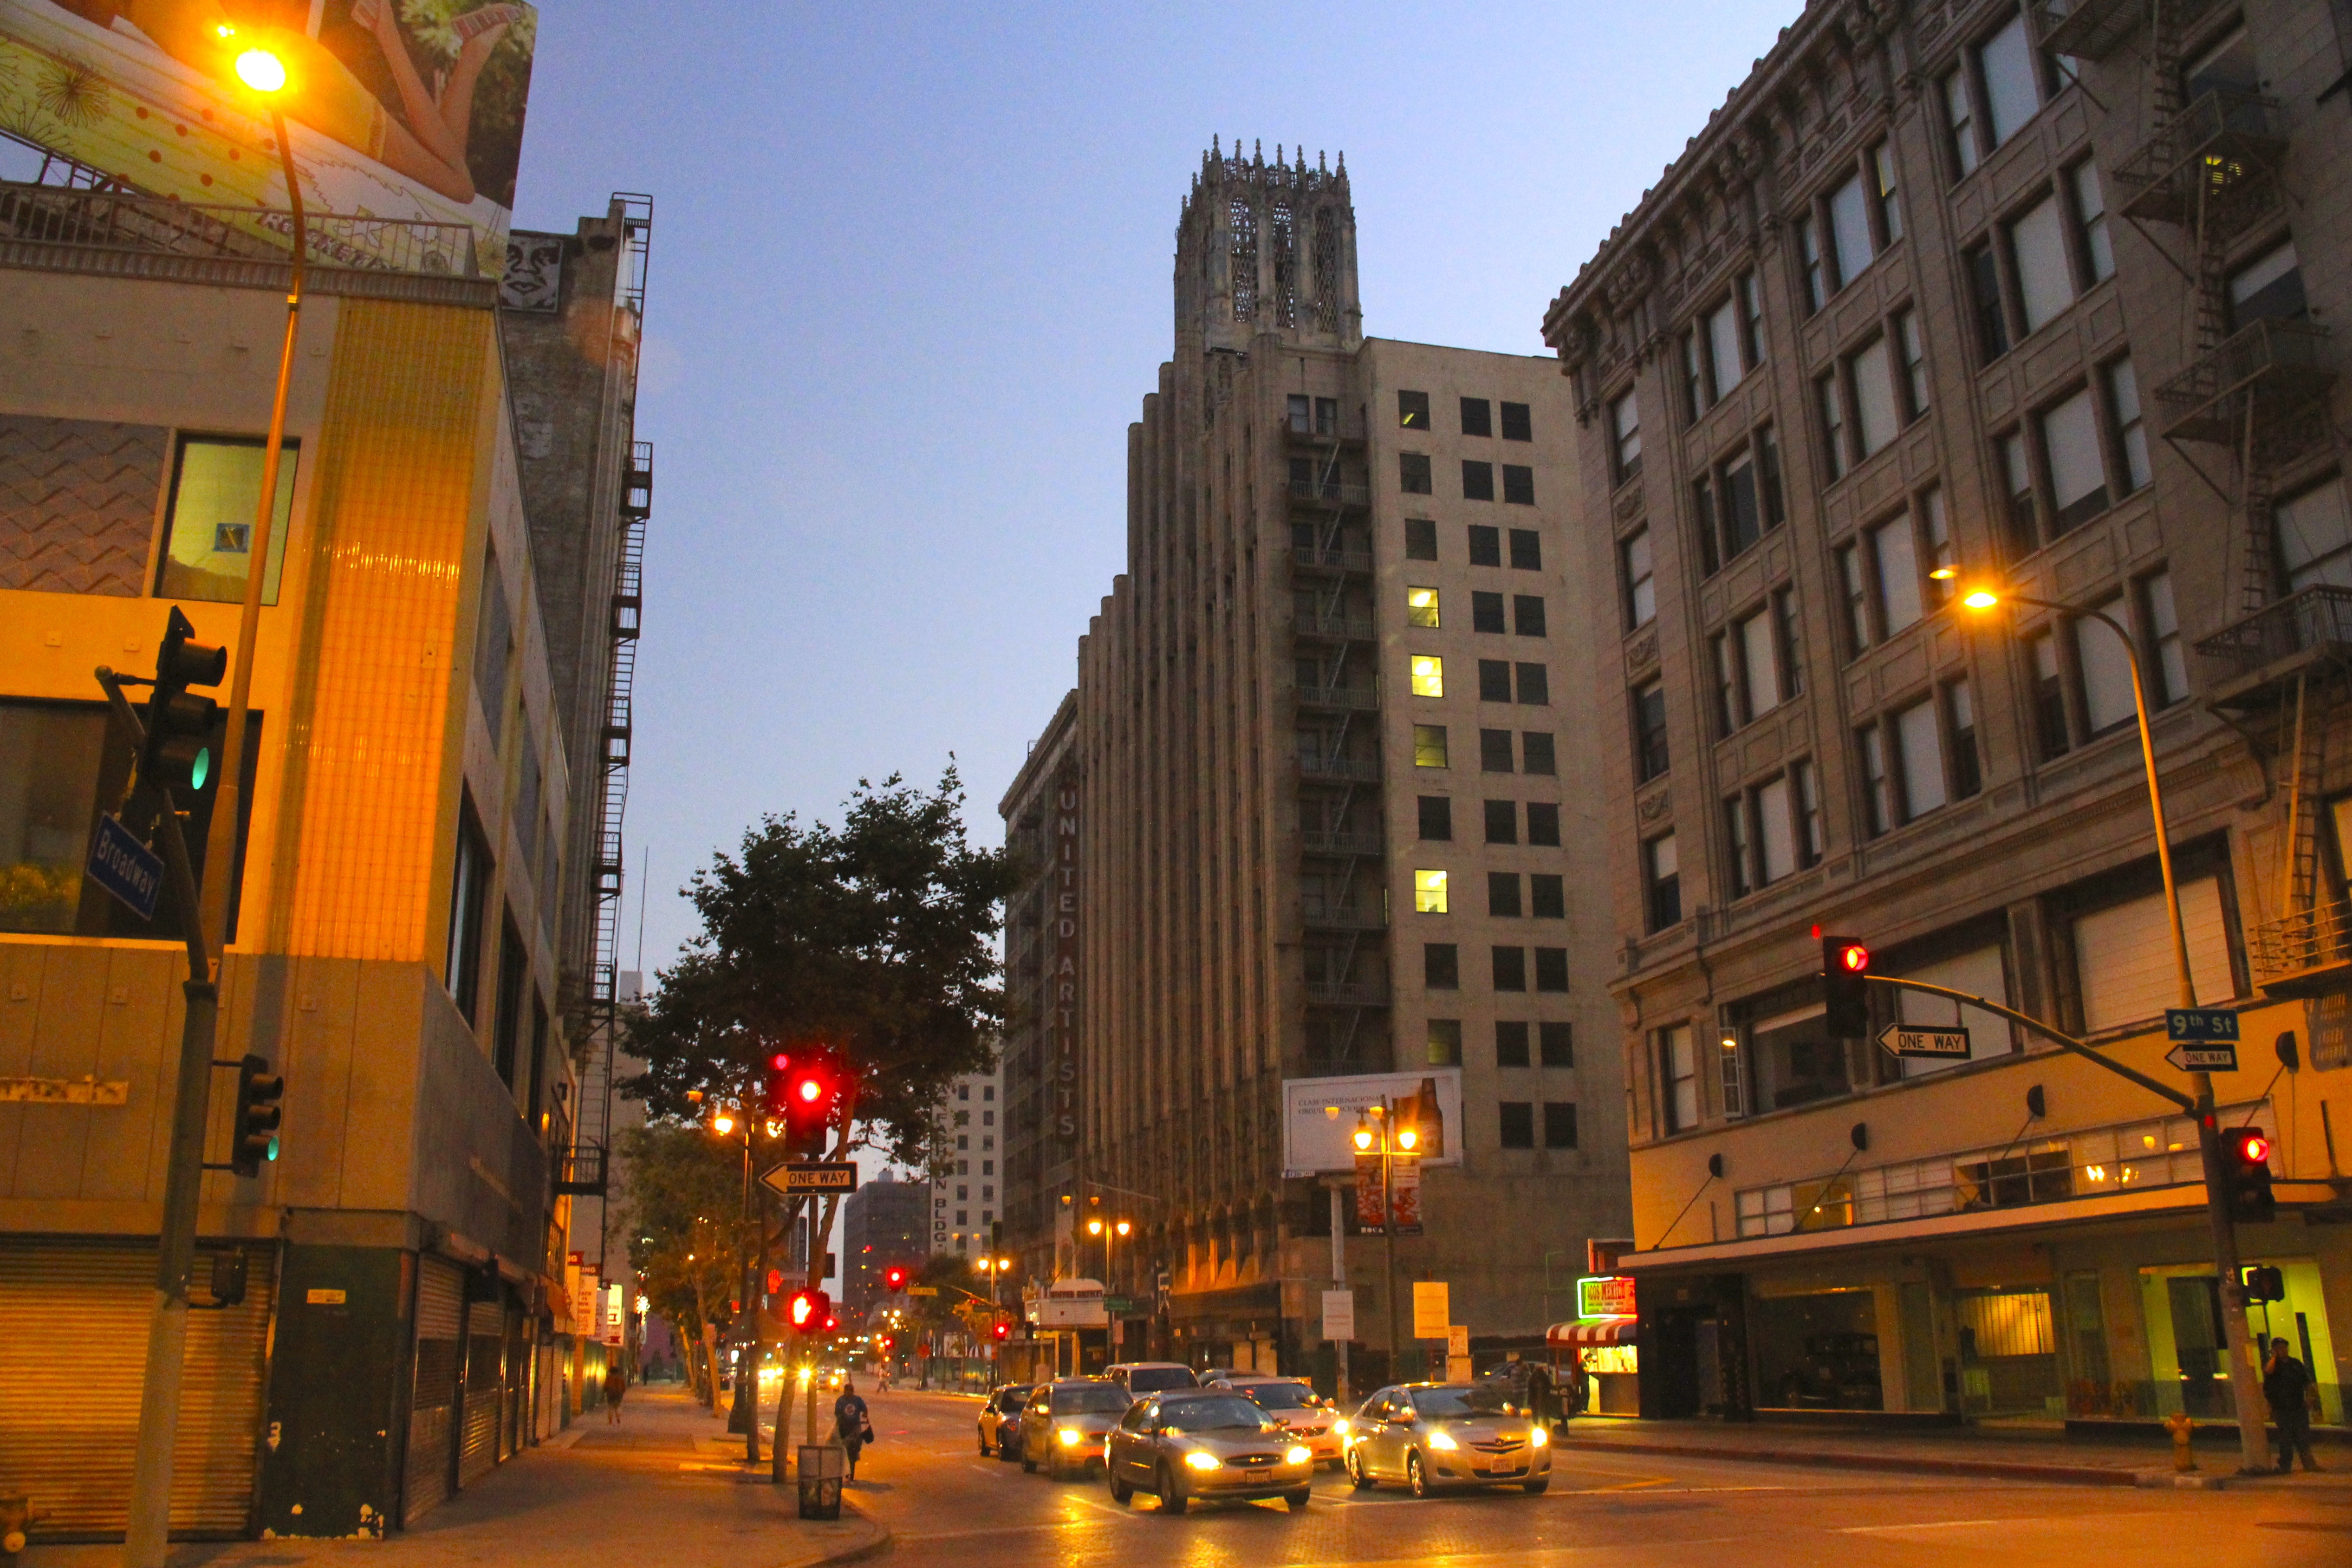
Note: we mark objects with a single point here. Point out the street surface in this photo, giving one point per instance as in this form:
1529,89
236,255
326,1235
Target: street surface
925,1479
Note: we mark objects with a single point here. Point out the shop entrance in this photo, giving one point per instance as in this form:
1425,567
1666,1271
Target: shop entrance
1817,1352
2009,1354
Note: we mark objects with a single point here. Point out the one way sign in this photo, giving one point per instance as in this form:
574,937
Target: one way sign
2219,1056
1912,1040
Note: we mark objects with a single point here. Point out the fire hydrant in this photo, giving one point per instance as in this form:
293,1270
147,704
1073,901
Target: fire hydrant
2182,1429
16,1517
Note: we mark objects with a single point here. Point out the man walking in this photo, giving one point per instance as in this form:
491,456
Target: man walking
616,1384
851,1424
2285,1381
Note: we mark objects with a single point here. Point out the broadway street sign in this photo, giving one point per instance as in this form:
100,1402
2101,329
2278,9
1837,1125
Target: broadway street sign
1905,1040
125,867
2221,1057
796,1176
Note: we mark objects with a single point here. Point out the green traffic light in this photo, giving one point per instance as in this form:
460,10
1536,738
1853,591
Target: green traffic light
201,769
273,1146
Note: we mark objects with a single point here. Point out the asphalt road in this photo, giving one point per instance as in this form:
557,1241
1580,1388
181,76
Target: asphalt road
925,1479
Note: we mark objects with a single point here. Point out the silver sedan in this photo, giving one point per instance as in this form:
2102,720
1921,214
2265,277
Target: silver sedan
1205,1443
1065,1422
1431,1435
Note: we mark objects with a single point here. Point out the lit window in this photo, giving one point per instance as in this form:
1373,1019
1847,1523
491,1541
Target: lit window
1429,745
1428,675
1421,607
215,492
1429,892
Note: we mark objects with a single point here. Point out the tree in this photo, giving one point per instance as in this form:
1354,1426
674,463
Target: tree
872,939
684,1215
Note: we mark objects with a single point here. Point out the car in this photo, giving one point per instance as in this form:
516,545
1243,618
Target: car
1433,1434
1205,1443
999,1419
1065,1421
1142,1377
1297,1408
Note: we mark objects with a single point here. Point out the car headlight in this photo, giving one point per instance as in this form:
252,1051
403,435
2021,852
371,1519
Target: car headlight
1538,1437
1340,1427
1201,1461
1070,1436
1439,1441
1298,1454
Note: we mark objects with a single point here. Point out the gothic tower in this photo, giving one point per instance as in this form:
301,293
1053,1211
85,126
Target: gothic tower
1267,248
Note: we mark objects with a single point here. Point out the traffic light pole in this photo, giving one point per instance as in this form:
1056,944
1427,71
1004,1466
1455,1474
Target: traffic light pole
2245,1365
149,1529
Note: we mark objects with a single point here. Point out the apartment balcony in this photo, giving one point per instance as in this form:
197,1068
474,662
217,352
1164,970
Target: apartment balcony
1328,494
2270,369
1341,843
1342,914
1331,558
1341,698
1347,994
2093,30
1334,629
580,1171
2306,629
2305,953
2212,163
1352,770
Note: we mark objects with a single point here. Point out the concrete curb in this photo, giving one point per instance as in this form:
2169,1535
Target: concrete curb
879,1542
2004,1469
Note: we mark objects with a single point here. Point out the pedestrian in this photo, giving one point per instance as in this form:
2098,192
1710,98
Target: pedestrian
616,1384
2284,1380
851,1423
1541,1405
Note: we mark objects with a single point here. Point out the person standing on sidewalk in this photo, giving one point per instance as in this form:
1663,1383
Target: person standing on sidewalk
2285,1381
851,1423
616,1384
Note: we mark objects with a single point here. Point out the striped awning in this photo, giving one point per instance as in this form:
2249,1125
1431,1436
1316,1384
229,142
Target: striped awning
1597,1331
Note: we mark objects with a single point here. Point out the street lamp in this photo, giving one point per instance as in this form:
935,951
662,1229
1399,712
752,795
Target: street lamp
2245,1366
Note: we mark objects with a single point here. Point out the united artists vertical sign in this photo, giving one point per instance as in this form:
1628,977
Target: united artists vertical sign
1062,967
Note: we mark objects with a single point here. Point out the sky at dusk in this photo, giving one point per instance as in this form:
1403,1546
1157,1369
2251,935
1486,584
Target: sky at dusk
911,281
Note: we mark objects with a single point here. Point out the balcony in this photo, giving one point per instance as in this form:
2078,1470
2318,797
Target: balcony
1342,914
1330,493
1330,558
1347,994
2305,953
1353,770
580,1171
1334,629
2213,161
2311,627
1341,843
1341,698
2266,368
223,235
2093,30
1321,433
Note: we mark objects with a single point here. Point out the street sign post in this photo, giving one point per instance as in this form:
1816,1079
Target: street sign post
1908,1040
922,1289
2198,1025
796,1176
2221,1057
1118,1304
1339,1316
125,867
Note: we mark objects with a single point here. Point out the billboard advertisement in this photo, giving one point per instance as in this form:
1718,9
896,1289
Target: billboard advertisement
1318,1116
406,111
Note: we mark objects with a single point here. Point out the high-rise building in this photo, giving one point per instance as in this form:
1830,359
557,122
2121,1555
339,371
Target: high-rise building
1327,776
1040,1058
2026,304
967,1157
885,1222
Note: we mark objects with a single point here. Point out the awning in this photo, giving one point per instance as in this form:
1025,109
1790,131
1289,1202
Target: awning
1601,1332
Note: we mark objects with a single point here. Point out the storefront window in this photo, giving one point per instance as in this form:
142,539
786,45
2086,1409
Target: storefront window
1817,1352
2187,1355
216,490
2008,1354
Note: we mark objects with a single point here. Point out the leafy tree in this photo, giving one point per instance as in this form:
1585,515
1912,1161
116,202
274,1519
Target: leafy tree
683,1215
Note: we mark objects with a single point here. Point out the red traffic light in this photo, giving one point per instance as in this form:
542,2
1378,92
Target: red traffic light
894,1278
1004,1330
830,1323
1853,958
2254,1148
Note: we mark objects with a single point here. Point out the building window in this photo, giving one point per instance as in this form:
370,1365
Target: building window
1641,588
1428,675
1526,549
1511,1045
1543,820
2105,663
1895,556
1503,895
2131,429
1536,755
1916,785
1678,1077
2011,80
1420,539
1429,892
2049,697
1808,255
1478,416
1502,822
1413,473
2078,473
1943,555
1626,428
1518,1123
1959,116
2269,288
1494,751
1557,1040
2315,536
1421,607
1695,393
1960,719
1806,803
1440,966
1535,685
1477,481
1661,880
1518,422
1849,207
2037,247
1988,303
1429,745
469,887
1878,785
1876,415
1558,1124
1519,485
1833,447
1546,896
1914,349
1551,969
1412,410
2020,512
1486,612
215,488
1855,592
1510,968
1436,818
1881,159
1649,731
2170,668
1485,545
1493,679
1528,614
1445,1042
2098,251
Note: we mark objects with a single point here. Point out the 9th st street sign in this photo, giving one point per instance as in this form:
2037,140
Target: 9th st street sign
2205,1038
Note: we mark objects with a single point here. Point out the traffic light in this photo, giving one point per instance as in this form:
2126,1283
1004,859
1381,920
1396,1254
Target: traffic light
2263,1282
883,1344
811,1096
1003,1329
772,1080
893,1279
1844,963
253,1132
178,752
2246,1164
809,1311
1420,1124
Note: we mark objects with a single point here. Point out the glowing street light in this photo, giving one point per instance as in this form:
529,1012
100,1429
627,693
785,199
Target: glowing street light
261,71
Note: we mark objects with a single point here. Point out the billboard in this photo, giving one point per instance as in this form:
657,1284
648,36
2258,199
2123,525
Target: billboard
1318,1116
407,111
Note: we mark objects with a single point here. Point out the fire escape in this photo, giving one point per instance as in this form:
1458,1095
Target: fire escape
1342,907
2248,410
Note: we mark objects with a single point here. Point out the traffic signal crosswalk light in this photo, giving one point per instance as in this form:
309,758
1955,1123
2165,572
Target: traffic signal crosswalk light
2246,1162
253,1129
178,753
809,1311
1845,963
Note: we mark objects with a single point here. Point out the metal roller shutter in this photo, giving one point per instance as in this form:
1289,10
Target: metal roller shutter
73,1355
485,1346
432,1411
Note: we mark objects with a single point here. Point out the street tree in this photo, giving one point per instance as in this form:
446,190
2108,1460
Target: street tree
684,1216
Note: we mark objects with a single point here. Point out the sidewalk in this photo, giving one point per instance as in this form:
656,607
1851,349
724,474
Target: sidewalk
668,1484
2008,1455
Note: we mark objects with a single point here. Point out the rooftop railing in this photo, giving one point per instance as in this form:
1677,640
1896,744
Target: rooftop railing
113,220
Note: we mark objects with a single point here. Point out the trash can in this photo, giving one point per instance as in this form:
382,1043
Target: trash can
822,1467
